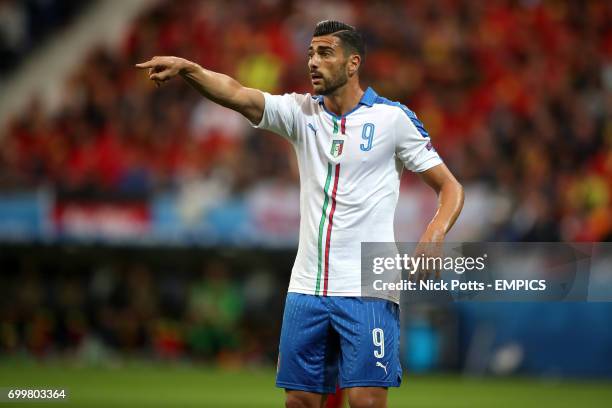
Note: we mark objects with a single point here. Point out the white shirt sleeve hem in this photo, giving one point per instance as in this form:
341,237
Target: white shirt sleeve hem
428,164
263,113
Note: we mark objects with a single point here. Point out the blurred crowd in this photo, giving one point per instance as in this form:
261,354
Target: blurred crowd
105,311
516,95
24,24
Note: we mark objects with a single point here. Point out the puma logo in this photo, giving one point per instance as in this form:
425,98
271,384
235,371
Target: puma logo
312,128
384,367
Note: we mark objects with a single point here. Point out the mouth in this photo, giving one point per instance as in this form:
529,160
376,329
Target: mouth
315,77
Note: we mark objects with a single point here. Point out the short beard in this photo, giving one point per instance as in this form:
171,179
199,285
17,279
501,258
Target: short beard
334,84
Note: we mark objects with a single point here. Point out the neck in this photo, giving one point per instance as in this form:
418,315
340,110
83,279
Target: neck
343,99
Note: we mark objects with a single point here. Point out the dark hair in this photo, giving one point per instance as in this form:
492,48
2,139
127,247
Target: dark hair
351,39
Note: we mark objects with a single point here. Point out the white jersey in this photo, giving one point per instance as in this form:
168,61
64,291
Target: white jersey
350,168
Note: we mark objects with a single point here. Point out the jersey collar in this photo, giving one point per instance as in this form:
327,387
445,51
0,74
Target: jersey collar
368,98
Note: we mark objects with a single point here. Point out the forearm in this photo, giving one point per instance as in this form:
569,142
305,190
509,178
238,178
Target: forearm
219,88
450,203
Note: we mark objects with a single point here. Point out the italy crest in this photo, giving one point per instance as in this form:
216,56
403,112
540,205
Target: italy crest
336,148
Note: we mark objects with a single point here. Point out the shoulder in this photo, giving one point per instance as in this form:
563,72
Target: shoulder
296,99
299,98
302,104
394,106
288,103
402,113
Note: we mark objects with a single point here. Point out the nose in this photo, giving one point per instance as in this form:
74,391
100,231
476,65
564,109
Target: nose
313,62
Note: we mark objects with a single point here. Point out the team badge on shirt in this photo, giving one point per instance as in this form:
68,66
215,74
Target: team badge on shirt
336,148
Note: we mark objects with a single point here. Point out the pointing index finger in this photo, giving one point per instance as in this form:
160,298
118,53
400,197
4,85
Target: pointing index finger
143,65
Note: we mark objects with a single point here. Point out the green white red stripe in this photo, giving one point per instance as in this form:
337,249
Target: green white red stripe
324,238
329,227
322,227
325,234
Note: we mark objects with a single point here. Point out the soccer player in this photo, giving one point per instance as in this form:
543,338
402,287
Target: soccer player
351,147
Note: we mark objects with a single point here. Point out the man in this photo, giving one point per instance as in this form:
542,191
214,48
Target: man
351,147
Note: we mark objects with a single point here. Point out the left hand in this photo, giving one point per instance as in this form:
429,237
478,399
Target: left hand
430,247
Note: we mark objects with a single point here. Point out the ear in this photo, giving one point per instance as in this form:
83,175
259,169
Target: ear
354,61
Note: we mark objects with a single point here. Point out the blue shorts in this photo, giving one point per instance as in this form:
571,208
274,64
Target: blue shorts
327,340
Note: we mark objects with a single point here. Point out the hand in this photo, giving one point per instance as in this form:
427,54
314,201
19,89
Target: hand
429,248
162,69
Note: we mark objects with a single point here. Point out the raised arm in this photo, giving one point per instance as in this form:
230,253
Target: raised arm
217,87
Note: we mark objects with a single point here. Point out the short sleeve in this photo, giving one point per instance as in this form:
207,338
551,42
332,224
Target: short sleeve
413,145
279,114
